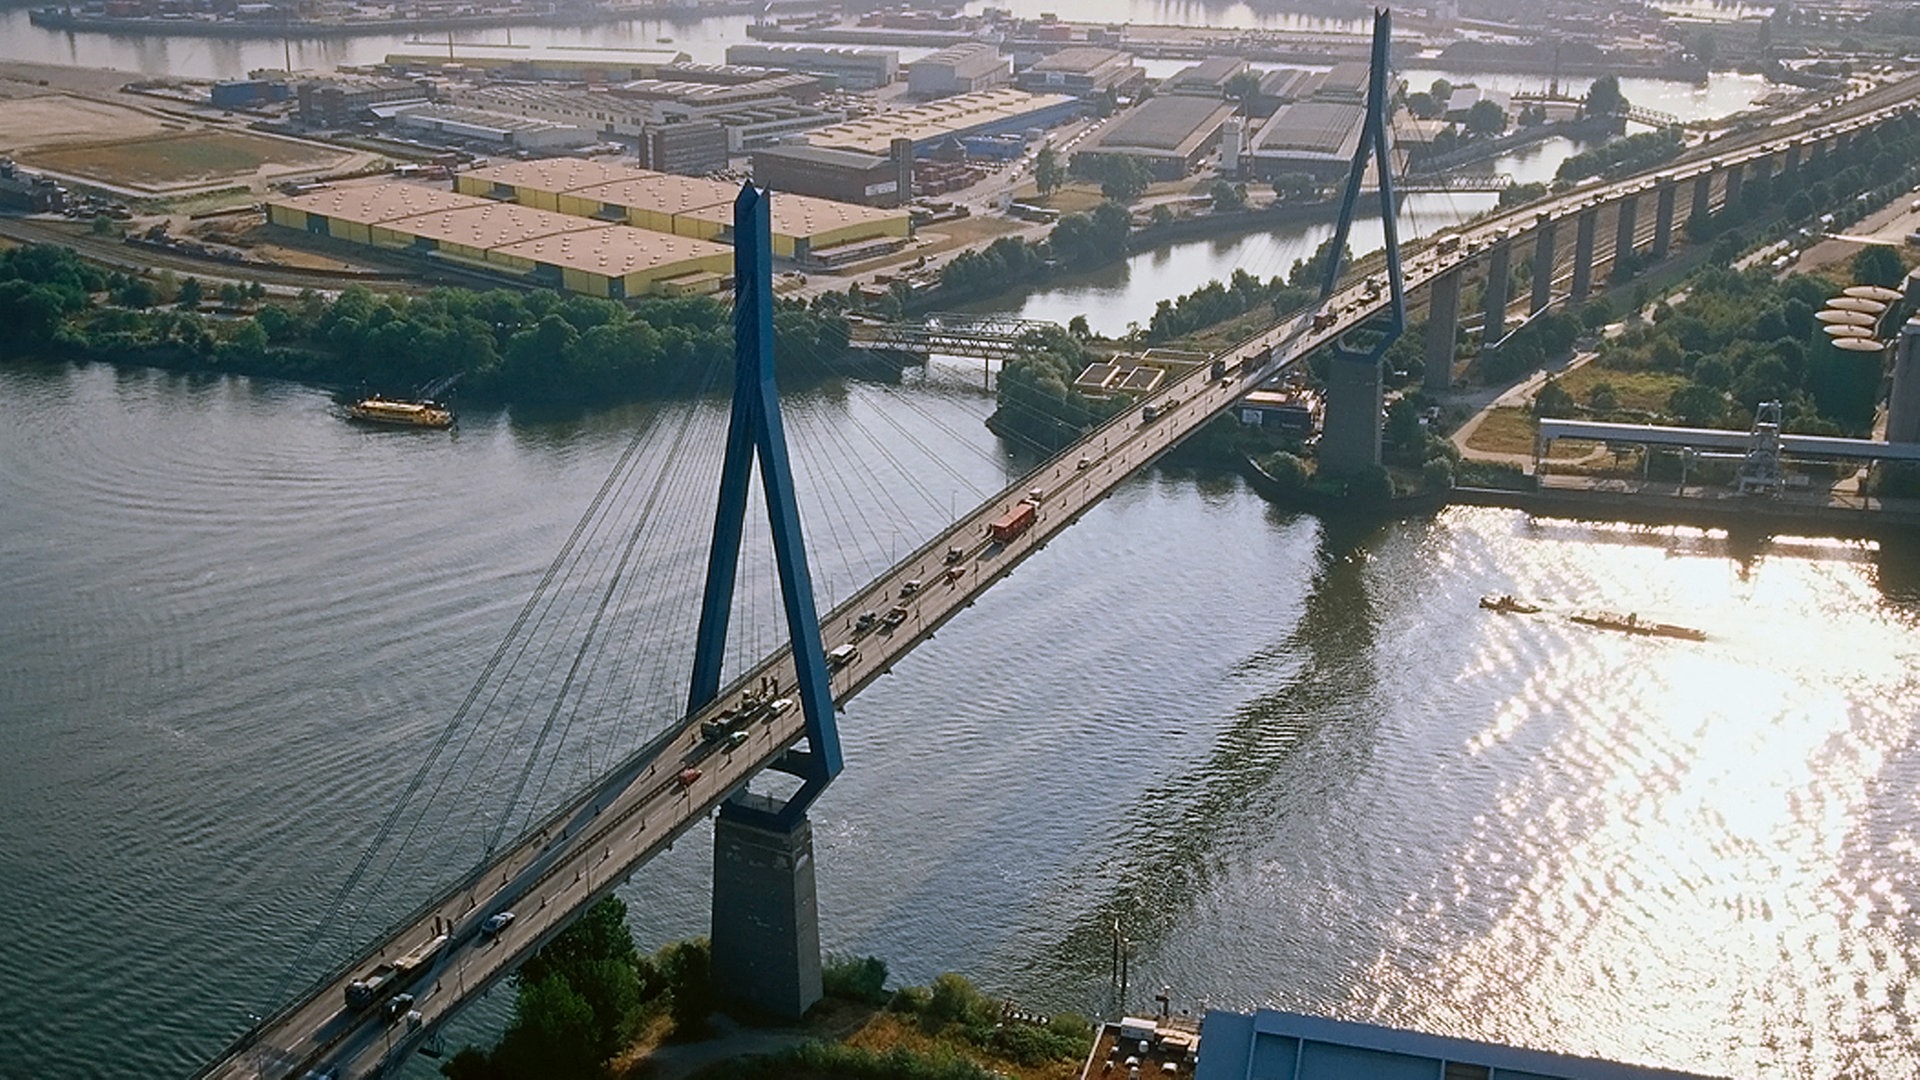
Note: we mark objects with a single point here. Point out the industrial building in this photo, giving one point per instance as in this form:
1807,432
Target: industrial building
539,247
1347,81
694,148
1280,86
850,67
1269,1043
344,101
1313,137
497,129
246,93
616,115
563,63
805,229
1002,110
1464,98
1207,78
1083,71
843,175
959,69
1172,134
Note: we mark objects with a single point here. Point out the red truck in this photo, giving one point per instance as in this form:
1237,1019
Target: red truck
1013,523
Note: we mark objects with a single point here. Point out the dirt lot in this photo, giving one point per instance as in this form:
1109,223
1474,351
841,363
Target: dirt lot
174,159
30,118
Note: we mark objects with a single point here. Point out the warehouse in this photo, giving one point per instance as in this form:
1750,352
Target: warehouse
693,148
1314,137
538,246
958,69
359,213
496,129
1171,134
1002,110
686,206
845,175
812,231
1084,70
568,63
620,263
852,68
1208,77
537,183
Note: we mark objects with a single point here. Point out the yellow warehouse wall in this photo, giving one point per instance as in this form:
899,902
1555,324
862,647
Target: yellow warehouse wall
515,262
582,281
288,216
544,200
471,185
577,206
380,236
350,231
699,230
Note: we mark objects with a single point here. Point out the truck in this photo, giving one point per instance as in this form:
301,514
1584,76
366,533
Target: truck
1013,523
387,978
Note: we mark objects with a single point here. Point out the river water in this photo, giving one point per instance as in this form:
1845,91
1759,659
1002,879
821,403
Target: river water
1292,759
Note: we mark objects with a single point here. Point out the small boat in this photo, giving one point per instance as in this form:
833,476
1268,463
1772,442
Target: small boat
1633,624
1506,603
379,410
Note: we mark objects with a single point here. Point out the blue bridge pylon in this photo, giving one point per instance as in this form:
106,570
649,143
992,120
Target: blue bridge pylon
755,428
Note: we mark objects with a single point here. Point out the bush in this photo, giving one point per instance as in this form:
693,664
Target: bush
954,1000
1287,470
909,1000
862,979
1436,474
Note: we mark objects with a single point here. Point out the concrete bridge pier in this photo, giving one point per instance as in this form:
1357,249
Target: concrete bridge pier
1499,269
766,919
1443,331
1736,175
1543,241
1792,161
1583,232
1350,436
1702,197
1628,222
1663,221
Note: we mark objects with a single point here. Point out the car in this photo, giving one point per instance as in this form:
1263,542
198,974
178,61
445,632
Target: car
687,777
1083,462
909,587
397,1006
894,617
955,554
867,621
496,923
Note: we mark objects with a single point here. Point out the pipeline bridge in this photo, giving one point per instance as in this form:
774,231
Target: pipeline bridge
597,838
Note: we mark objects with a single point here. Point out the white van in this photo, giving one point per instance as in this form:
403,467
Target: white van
842,655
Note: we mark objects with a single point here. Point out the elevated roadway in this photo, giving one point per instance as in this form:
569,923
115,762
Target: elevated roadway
586,847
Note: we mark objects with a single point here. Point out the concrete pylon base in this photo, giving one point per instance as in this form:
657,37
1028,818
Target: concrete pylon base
766,918
1350,441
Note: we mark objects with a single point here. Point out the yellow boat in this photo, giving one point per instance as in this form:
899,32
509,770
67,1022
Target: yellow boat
379,410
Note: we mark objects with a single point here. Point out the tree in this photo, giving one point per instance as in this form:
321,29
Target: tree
1242,85
1228,196
1486,118
1553,401
1707,48
1295,185
1077,326
1440,91
1422,105
1604,98
191,292
1696,405
1878,264
1126,178
1048,171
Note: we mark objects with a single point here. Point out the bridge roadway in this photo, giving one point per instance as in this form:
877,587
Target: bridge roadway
581,851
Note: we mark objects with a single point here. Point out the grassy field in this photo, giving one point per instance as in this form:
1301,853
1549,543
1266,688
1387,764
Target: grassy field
167,160
1510,431
1645,390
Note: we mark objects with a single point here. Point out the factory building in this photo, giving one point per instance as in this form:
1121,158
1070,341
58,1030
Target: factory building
958,69
344,101
851,68
246,93
537,247
843,175
755,122
561,63
1084,71
694,148
498,129
1347,81
1002,110
1281,86
1172,134
1313,137
806,229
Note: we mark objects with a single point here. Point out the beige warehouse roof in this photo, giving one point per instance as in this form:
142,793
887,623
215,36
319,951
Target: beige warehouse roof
875,134
666,193
376,203
615,251
553,174
801,215
494,226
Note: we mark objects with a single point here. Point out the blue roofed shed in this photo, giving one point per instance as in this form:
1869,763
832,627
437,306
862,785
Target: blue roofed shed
1271,1045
